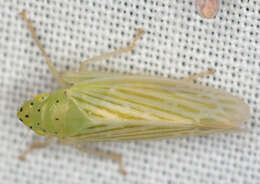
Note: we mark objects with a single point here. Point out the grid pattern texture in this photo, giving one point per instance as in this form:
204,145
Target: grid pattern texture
177,42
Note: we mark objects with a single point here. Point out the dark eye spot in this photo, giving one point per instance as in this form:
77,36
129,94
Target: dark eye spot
39,110
57,119
31,103
27,116
30,127
57,101
21,109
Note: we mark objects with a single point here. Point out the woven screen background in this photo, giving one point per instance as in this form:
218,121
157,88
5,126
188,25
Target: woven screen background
177,42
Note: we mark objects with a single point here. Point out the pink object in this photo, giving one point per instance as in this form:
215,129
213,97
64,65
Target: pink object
207,8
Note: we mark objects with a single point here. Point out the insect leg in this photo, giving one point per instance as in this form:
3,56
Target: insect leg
83,65
114,156
198,75
53,70
36,145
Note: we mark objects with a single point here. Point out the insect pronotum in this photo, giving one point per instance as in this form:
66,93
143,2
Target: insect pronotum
96,106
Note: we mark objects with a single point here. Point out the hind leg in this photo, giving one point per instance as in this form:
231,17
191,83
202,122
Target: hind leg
199,75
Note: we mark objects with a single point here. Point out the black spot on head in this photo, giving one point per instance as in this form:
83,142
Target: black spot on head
21,109
57,119
30,127
38,124
31,103
57,101
27,116
39,110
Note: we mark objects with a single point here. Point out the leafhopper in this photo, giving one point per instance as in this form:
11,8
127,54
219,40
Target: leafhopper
99,106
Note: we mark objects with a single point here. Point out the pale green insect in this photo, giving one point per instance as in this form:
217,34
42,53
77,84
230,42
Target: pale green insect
95,106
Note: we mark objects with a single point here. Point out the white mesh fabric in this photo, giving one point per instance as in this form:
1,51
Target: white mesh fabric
177,42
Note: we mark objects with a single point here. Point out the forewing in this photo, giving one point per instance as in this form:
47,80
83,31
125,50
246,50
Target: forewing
134,108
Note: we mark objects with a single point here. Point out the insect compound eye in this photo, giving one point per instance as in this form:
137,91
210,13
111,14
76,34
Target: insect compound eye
30,127
21,109
57,101
31,103
27,116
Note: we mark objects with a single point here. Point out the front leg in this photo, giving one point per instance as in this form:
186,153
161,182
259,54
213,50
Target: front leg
52,68
34,146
